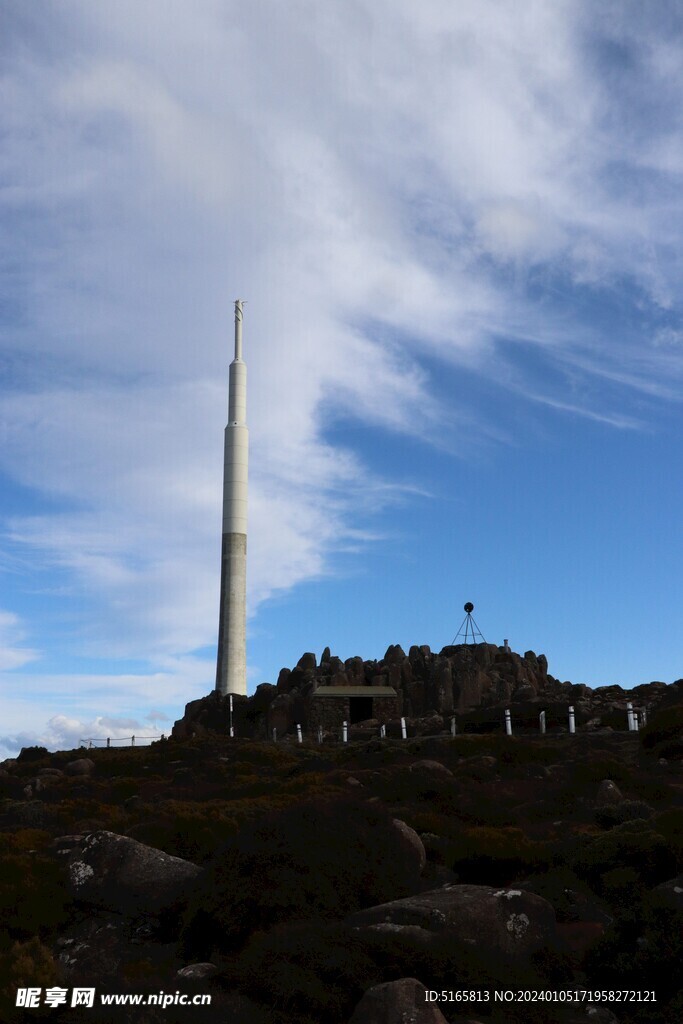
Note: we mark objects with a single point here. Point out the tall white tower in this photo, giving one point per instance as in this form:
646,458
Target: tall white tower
231,664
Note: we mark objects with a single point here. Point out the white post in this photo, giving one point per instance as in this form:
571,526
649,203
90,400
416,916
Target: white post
572,720
382,731
629,715
274,735
636,720
299,737
320,734
541,722
345,732
453,726
404,733
232,730
506,645
508,722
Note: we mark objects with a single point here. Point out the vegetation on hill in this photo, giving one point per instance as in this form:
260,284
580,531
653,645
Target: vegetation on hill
293,839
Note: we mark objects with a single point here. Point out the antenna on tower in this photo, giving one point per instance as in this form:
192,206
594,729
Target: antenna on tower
469,628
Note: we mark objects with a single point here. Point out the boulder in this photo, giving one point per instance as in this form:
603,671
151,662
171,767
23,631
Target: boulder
668,894
81,766
284,683
92,949
118,873
431,768
506,924
608,794
416,844
42,783
397,1002
395,655
197,972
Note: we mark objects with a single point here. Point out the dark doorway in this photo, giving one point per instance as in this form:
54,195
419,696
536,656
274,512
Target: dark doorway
360,709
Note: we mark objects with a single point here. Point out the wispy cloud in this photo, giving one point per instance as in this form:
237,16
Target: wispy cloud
13,653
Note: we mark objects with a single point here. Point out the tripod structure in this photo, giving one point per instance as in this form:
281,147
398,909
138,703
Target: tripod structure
469,628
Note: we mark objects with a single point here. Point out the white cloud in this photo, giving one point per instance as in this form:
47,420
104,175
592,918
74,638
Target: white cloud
65,733
58,710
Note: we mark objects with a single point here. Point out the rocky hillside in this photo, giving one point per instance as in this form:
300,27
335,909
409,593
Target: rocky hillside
301,883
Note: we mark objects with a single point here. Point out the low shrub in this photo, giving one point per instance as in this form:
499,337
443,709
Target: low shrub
495,856
670,825
307,970
663,734
32,895
586,776
649,953
634,845
313,859
24,964
617,814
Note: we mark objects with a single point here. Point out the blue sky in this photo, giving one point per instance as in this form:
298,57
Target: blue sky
459,231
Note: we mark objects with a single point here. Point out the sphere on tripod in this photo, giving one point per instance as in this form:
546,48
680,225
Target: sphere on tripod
469,607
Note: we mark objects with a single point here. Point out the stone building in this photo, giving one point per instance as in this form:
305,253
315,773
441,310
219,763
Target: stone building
330,706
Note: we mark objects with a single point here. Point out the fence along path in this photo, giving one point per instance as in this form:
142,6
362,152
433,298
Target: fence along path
124,741
635,719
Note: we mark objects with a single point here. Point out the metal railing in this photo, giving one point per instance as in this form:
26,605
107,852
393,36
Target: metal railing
124,741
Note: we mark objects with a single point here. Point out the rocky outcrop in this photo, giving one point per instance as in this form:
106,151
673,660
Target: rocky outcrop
397,1002
118,873
508,925
475,682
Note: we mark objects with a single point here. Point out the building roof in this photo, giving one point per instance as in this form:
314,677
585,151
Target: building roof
355,691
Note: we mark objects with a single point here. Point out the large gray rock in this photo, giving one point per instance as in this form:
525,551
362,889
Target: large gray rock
81,766
397,1002
508,924
92,949
116,872
669,894
434,768
416,843
197,972
608,794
